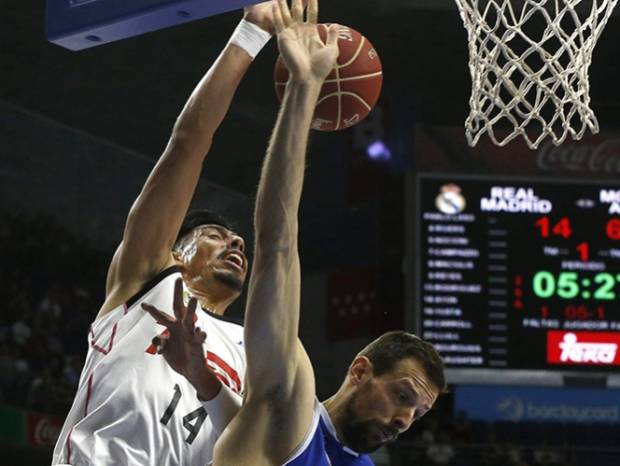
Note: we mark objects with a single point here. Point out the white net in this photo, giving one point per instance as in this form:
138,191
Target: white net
529,62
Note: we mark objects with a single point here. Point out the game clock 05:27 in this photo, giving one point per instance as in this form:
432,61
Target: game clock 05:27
601,286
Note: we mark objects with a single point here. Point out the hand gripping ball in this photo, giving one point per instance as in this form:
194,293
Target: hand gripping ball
352,88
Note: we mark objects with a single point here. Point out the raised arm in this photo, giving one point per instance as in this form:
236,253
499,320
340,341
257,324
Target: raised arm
156,215
278,368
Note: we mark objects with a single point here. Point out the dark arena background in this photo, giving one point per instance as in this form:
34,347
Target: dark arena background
506,258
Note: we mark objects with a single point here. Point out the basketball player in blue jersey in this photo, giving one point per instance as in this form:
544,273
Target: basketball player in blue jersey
131,407
392,382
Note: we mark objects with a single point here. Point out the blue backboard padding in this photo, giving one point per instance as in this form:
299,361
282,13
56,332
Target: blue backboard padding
81,24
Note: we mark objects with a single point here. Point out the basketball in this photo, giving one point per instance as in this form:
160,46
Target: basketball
351,90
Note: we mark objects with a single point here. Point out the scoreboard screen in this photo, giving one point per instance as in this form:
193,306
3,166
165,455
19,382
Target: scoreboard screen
519,274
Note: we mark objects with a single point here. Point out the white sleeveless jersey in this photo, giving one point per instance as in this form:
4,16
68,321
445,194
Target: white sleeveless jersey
131,408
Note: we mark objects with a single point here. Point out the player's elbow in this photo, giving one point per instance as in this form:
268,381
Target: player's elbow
188,138
276,382
276,237
276,257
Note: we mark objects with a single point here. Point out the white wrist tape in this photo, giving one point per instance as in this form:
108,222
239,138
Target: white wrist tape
222,408
249,37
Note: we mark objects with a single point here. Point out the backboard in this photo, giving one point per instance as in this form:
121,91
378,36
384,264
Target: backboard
81,24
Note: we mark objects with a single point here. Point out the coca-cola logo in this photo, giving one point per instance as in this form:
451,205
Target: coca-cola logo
603,157
46,431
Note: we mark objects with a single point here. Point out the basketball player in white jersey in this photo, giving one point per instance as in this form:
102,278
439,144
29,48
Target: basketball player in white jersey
131,408
392,382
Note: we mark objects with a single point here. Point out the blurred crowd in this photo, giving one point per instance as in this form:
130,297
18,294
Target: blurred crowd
51,285
446,439
47,280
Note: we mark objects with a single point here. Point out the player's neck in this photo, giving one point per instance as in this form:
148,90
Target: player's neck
212,295
336,408
213,308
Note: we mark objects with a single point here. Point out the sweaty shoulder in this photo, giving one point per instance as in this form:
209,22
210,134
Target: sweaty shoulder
122,300
311,451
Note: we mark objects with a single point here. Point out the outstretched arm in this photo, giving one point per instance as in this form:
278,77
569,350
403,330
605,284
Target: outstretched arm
279,390
278,367
156,215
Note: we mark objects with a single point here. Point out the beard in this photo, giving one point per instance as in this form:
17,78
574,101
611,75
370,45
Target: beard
230,279
357,434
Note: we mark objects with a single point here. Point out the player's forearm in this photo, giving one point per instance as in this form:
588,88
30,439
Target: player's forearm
166,195
272,314
206,383
207,106
156,216
279,192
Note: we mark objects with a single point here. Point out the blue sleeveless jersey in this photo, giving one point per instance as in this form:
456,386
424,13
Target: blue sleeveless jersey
322,448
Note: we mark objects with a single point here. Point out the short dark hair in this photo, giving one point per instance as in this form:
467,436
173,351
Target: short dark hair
392,347
196,218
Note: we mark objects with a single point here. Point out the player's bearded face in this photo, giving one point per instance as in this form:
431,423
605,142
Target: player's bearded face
364,435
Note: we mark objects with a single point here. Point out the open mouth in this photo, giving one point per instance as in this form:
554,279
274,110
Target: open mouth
235,259
386,436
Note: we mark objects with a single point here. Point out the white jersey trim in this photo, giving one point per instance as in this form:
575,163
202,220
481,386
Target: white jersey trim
332,429
309,436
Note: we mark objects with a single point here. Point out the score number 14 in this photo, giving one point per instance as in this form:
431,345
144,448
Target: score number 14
563,228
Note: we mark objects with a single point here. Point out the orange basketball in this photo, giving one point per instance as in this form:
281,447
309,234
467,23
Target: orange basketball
352,88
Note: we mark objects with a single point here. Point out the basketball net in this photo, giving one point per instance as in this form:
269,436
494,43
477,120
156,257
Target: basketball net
529,63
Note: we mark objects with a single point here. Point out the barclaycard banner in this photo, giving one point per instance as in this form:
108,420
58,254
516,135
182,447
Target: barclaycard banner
528,404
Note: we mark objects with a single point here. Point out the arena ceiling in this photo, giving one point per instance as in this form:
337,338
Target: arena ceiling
130,92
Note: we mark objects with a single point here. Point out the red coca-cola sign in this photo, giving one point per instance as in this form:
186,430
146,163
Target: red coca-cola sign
42,430
579,348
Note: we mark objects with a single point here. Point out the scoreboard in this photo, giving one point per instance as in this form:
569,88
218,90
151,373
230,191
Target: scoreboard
515,274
